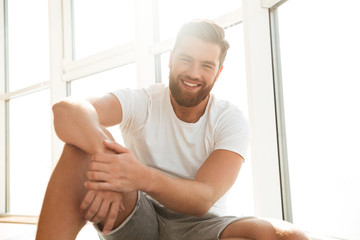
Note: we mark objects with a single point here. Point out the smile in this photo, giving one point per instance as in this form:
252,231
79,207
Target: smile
190,84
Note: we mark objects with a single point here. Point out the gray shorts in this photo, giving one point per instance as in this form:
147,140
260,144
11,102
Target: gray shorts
151,221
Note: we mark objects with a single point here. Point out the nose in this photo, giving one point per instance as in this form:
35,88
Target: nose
194,71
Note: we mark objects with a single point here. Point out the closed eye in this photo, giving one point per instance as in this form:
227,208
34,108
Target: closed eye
208,66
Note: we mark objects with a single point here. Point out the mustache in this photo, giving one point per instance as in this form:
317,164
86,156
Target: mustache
190,79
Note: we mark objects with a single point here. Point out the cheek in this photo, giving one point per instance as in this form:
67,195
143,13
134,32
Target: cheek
210,78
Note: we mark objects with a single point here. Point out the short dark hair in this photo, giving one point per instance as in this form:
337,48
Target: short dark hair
206,30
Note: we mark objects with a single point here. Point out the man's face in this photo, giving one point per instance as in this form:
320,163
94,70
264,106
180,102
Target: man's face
194,68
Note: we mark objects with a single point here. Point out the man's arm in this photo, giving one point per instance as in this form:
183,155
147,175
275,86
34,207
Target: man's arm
123,173
82,122
196,197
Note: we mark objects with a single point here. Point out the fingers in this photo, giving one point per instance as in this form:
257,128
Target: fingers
90,195
102,213
98,176
94,208
113,213
115,146
98,165
102,158
91,185
103,205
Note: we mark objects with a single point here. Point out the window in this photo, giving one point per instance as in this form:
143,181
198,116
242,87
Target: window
28,43
28,106
29,153
100,25
172,14
320,54
104,82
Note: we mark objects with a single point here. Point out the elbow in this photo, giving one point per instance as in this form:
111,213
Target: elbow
205,203
61,113
59,110
202,210
65,108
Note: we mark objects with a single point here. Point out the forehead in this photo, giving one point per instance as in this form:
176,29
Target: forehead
198,49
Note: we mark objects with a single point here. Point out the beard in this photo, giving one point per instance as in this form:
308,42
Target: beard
186,98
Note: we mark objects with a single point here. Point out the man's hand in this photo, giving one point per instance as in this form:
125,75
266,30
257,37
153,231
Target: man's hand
101,205
120,172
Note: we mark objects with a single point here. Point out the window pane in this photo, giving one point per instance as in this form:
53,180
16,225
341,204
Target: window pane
231,86
30,157
320,55
173,13
28,43
104,82
99,25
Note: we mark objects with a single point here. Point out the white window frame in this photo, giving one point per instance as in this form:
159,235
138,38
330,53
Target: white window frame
2,112
259,73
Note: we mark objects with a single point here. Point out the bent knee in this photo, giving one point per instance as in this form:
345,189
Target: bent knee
288,231
259,229
296,234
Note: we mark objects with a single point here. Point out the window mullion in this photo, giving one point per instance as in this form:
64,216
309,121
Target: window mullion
259,74
280,119
57,85
145,60
3,113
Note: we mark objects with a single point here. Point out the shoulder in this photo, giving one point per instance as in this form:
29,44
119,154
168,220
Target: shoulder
227,119
231,127
224,109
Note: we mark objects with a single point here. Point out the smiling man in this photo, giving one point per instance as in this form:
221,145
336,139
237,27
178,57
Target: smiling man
184,150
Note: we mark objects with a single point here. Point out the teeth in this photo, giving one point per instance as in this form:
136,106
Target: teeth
190,84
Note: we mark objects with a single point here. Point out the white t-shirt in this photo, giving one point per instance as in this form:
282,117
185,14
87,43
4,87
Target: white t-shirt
160,140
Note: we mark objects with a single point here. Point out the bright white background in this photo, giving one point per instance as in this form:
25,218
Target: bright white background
319,45
320,58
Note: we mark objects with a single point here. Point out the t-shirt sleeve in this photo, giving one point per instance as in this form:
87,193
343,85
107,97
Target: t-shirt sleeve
233,133
135,106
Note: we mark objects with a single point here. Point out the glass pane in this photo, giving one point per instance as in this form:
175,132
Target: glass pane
99,25
28,43
104,82
320,58
174,13
30,157
231,86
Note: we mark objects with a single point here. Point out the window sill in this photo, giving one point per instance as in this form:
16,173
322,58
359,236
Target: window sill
19,219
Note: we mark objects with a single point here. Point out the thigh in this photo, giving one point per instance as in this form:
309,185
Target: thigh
180,226
142,224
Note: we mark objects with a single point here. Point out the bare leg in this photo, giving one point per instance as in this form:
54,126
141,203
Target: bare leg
261,229
60,217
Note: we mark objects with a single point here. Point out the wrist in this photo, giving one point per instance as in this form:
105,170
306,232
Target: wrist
103,134
147,179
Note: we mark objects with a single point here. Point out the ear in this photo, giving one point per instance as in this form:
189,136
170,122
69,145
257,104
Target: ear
218,73
170,59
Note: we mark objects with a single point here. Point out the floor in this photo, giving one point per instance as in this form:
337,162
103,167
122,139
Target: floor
13,231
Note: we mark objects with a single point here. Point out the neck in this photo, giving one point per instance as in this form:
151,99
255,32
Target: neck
189,114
